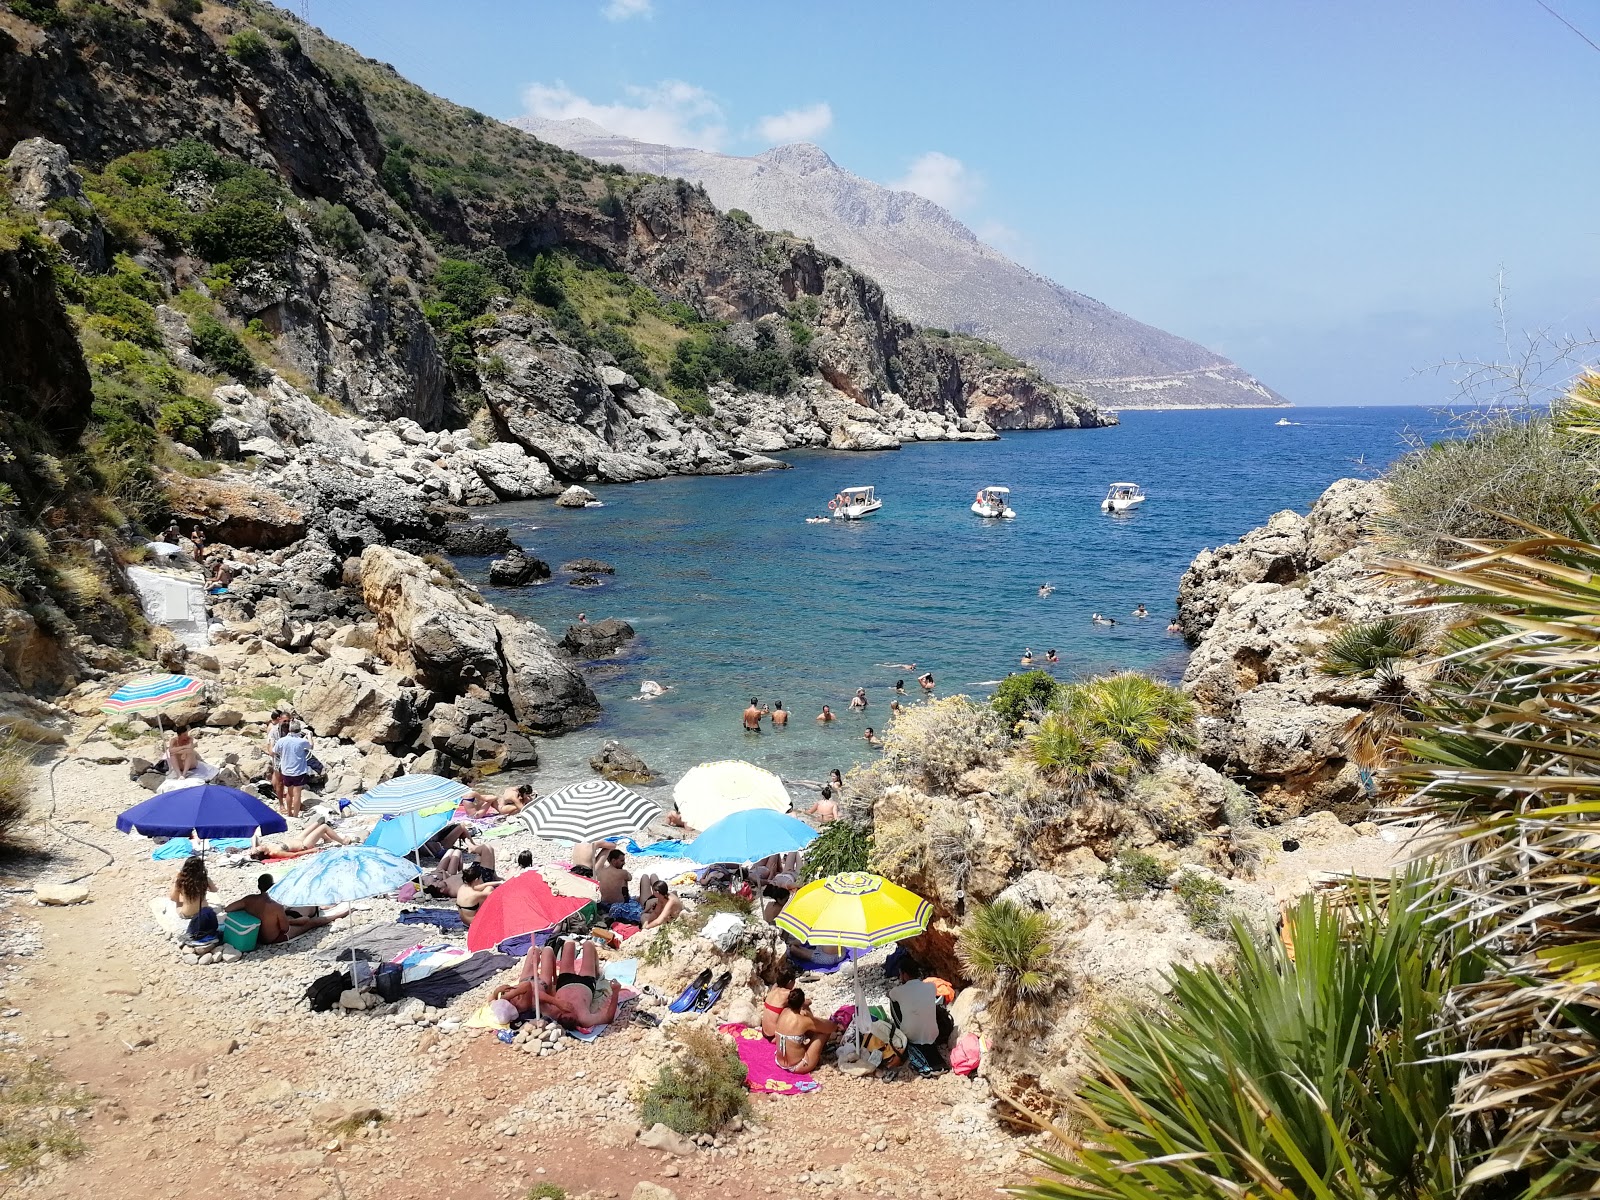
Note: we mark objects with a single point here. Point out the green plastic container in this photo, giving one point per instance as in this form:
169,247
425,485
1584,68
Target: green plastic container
240,930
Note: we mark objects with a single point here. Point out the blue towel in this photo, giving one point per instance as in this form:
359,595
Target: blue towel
667,849
624,970
182,847
443,918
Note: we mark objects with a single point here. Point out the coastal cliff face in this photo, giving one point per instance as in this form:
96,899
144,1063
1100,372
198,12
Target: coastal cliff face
1258,613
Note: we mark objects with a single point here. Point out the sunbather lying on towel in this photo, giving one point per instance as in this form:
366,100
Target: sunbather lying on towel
570,988
307,841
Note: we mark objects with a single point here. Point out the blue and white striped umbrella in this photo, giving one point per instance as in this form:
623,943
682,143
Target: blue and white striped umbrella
148,693
341,874
410,793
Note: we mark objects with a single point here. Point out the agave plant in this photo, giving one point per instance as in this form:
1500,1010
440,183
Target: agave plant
1310,1074
1504,762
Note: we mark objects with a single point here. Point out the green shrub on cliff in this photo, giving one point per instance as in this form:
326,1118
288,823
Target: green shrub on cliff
1362,651
840,847
1024,695
248,46
1324,1073
701,1090
220,347
1142,716
1011,952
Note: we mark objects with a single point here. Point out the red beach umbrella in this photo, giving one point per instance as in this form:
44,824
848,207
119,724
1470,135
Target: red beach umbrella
523,904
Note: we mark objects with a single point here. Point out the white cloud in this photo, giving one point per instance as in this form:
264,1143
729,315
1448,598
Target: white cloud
672,112
942,179
796,124
626,10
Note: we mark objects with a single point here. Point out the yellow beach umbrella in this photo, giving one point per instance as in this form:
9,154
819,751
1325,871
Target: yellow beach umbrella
714,790
858,911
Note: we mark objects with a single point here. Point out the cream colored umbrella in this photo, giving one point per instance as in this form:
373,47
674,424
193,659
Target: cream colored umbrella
715,790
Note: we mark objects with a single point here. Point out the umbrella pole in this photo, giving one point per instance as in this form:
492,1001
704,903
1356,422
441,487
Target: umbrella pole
861,1004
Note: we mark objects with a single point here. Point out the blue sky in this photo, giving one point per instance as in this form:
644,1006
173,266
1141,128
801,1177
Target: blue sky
1325,192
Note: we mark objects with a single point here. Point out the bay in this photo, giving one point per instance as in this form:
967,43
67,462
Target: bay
734,596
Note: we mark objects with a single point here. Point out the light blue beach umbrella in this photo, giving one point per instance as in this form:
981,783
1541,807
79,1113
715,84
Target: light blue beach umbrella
743,837
401,833
410,793
341,874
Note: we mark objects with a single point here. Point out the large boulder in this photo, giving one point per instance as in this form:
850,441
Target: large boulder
857,435
517,568
38,174
510,472
597,639
471,734
345,699
471,538
620,765
235,511
575,497
445,635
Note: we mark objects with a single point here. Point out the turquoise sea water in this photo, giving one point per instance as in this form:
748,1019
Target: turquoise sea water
733,595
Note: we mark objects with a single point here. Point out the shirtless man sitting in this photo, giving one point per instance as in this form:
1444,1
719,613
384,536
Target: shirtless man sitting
568,983
586,854
278,924
611,877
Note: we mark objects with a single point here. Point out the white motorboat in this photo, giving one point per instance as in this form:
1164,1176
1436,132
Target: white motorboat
1286,421
1120,497
993,502
853,503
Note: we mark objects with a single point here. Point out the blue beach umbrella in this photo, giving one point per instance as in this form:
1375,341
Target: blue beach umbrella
208,811
746,836
340,874
401,833
410,793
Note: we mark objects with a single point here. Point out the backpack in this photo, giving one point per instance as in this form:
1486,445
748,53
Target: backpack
887,1041
325,990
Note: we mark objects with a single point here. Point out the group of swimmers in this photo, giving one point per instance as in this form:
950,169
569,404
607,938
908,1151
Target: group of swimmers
755,712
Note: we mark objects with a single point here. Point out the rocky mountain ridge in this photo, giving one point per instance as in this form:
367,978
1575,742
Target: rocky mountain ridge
937,271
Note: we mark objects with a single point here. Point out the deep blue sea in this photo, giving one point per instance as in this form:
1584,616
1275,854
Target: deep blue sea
734,595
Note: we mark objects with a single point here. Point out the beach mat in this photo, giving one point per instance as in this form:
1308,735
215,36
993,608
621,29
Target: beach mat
440,918
438,989
760,1058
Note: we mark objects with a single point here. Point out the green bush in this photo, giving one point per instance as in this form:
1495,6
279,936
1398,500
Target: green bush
703,1092
710,356
248,46
1327,1073
840,847
1361,651
1010,952
1024,695
242,231
467,285
1204,901
1134,874
337,226
220,347
1513,468
188,420
1139,714
1073,758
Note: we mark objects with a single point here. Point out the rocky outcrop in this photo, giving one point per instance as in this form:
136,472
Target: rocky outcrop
517,568
235,511
445,635
575,497
619,764
1258,612
40,177
597,639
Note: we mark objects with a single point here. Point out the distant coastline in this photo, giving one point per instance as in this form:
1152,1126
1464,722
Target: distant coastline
1121,408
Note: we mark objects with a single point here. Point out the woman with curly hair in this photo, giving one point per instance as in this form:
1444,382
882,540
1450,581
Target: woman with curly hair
189,894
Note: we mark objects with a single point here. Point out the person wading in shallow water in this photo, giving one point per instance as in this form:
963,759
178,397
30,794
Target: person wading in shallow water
780,718
753,715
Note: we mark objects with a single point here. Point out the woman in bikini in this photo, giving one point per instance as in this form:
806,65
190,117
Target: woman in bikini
473,890
307,841
777,995
800,1037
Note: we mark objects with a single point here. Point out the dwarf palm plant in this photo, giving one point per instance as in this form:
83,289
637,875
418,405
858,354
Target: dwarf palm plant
1290,1075
1364,650
1010,951
1505,764
1142,716
1075,760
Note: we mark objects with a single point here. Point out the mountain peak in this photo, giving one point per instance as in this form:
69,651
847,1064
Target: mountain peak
800,157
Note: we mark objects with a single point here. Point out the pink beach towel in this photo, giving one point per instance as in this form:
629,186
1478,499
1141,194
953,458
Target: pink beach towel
760,1058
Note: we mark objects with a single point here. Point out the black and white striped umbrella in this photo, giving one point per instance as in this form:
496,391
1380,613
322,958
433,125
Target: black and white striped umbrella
587,811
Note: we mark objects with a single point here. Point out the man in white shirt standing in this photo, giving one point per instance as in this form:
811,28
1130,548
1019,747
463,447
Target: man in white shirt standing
918,1003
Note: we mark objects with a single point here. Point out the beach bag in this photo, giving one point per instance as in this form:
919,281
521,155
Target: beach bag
967,1054
387,982
325,990
887,1042
240,930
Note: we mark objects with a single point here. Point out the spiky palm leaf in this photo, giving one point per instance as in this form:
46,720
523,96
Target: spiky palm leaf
1074,760
1365,649
1011,952
1287,1076
1504,761
1141,715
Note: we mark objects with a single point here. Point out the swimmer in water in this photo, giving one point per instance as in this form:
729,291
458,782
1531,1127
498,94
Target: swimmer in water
870,738
752,716
894,707
1046,588
826,715
1141,611
1050,656
779,717
858,702
1100,620
926,680
899,687
1174,627
1027,657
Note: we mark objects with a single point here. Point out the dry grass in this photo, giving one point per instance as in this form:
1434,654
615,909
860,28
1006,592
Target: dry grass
17,775
33,1121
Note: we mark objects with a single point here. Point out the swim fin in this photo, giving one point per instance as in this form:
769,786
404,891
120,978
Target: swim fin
691,994
713,993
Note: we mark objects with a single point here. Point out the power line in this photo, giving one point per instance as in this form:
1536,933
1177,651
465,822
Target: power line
1568,24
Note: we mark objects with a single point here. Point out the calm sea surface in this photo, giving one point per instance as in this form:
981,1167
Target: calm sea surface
734,595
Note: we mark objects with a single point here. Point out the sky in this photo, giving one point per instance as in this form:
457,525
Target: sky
1331,194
